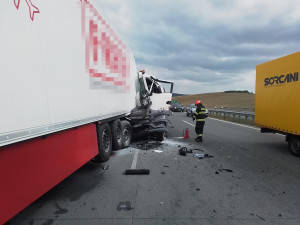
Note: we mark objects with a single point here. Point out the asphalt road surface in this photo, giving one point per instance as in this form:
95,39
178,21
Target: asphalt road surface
251,179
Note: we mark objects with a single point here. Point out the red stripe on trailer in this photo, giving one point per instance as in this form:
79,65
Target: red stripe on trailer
31,168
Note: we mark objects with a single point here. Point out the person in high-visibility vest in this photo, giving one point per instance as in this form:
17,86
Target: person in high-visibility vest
199,116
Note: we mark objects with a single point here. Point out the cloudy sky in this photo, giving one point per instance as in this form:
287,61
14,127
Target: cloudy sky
206,46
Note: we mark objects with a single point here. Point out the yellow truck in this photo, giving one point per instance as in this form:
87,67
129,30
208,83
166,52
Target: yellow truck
277,99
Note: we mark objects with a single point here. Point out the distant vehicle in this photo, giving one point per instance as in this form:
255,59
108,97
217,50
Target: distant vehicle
176,107
190,110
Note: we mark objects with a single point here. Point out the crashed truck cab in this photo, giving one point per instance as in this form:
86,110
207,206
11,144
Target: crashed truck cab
153,102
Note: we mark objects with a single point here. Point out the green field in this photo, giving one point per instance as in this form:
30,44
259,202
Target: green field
220,99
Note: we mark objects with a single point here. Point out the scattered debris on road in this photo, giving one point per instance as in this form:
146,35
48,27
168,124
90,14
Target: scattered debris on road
223,169
137,172
182,151
126,206
105,167
146,144
228,170
158,151
197,149
202,155
260,217
163,173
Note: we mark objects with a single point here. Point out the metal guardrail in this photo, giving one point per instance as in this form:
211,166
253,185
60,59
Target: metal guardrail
244,114
232,108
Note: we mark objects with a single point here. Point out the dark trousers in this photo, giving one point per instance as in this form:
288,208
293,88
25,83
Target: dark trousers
199,128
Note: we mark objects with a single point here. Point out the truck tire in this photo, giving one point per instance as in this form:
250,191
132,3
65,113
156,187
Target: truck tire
294,145
126,133
104,143
116,132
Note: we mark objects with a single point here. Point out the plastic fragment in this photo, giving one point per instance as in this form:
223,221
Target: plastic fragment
137,172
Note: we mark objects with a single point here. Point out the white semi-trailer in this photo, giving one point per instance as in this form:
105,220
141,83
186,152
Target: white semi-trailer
69,93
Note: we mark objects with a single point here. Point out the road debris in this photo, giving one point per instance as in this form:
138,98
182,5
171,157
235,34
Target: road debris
182,151
197,189
189,151
126,206
158,151
166,166
228,170
202,155
260,217
105,167
197,149
137,172
146,145
223,169
163,173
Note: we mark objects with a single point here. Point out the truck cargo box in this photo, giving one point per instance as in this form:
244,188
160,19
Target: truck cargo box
277,95
61,65
69,90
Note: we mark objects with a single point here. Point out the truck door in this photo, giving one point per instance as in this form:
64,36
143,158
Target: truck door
159,91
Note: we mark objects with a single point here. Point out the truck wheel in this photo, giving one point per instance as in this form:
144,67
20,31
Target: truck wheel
104,143
160,136
294,145
117,137
126,133
187,113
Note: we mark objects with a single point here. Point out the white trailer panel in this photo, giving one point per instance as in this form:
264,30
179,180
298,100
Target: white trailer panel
60,67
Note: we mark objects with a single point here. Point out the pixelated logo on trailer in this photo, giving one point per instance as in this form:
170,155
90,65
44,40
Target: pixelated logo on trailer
32,8
107,59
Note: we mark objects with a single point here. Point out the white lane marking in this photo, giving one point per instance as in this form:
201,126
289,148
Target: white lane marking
235,123
135,157
188,123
